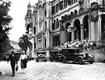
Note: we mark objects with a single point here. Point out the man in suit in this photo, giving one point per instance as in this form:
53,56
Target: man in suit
13,62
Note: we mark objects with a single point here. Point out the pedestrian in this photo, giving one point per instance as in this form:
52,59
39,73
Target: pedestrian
23,60
13,62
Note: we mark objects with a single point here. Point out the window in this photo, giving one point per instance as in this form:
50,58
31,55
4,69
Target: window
65,3
69,2
103,2
45,13
75,12
45,42
57,7
61,5
52,26
34,45
57,24
56,40
75,1
53,10
34,30
45,25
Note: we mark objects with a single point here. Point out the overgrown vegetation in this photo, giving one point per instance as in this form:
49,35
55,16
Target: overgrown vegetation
5,19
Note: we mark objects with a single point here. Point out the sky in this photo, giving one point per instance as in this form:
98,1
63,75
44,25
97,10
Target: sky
18,11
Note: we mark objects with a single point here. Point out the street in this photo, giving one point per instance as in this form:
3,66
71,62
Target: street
55,71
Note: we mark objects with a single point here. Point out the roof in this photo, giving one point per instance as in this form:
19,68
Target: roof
29,5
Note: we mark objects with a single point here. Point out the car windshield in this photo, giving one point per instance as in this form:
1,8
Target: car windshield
71,50
41,53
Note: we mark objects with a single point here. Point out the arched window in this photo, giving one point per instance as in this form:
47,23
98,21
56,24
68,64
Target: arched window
53,25
72,15
56,40
86,27
77,32
57,24
75,12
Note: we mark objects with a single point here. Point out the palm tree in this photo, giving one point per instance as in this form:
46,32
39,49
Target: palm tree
24,43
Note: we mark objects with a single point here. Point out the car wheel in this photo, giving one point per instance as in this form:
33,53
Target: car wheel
45,60
37,60
51,59
80,60
91,62
63,59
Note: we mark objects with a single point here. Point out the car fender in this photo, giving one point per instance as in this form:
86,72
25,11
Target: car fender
61,56
78,58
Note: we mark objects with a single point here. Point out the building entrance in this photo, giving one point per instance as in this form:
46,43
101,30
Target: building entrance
86,27
103,27
77,32
69,33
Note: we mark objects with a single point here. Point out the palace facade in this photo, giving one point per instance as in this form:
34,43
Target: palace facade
56,22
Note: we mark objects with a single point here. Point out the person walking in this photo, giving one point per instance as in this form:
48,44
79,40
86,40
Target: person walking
13,62
23,61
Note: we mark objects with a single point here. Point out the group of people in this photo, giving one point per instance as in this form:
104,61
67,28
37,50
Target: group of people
14,60
84,45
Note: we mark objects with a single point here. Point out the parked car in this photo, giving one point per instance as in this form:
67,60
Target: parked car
41,57
56,56
75,55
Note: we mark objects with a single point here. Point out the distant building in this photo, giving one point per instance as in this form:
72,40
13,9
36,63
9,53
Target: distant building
59,21
42,22
29,27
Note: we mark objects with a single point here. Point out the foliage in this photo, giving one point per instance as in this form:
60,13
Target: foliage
24,43
5,19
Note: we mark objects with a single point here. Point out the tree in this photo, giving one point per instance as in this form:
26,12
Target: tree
24,43
5,19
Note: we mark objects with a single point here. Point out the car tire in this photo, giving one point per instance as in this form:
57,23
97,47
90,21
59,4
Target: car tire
51,59
63,59
91,62
45,60
37,60
80,60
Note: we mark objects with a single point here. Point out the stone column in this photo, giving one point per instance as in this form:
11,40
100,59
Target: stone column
82,33
72,35
43,41
92,31
63,37
33,48
98,33
99,28
89,23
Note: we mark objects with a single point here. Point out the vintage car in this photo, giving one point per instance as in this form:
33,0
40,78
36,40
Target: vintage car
41,57
75,55
56,56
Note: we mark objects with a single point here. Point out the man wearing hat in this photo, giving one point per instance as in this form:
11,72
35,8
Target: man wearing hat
13,62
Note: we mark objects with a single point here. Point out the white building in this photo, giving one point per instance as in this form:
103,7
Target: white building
59,21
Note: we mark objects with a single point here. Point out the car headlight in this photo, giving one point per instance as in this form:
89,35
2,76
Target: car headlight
84,55
90,55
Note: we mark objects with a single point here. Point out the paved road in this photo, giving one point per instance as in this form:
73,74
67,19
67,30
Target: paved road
55,71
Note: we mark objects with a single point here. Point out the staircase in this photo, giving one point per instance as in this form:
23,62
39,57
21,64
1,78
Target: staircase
99,54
